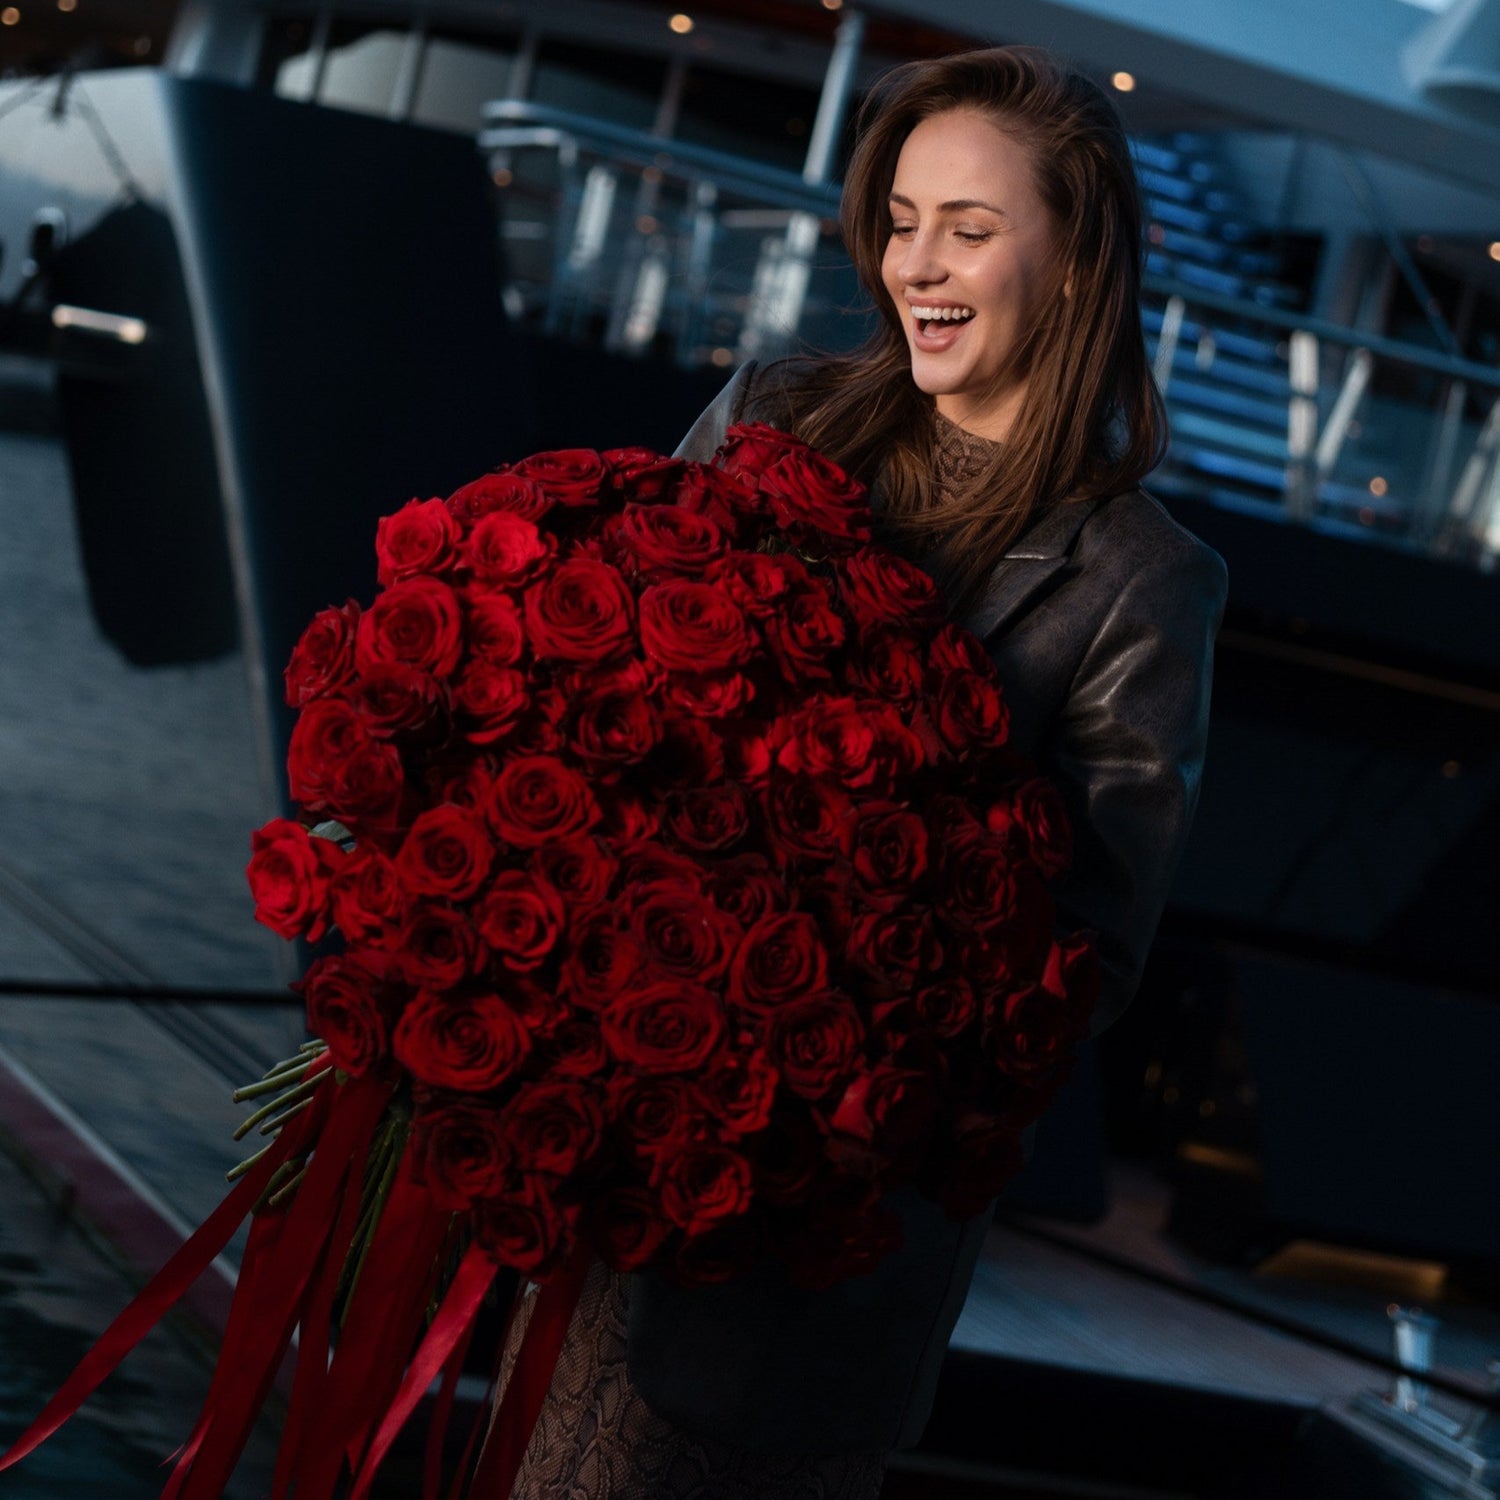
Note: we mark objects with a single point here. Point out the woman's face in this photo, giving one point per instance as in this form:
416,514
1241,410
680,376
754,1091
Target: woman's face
969,257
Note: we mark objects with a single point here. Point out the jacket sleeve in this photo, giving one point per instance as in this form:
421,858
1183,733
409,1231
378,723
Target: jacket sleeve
1127,755
727,408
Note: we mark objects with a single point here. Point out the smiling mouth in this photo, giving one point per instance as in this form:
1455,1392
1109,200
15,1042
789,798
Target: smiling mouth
929,317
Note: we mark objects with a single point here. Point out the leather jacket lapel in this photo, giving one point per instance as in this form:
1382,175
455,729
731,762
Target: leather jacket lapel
1030,564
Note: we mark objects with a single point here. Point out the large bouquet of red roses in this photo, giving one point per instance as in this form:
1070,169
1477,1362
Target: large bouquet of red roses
690,900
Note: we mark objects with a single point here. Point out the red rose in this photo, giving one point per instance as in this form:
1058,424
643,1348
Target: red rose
787,1155
616,728
495,630
680,931
538,798
419,538
688,755
864,746
666,1027
521,919
693,627
881,588
323,659
464,1154
893,948
627,1227
579,870
418,622
746,754
815,500
892,1110
573,1048
538,730
664,540
291,878
809,818
469,1043
601,961
1037,814
507,550
888,663
657,1115
703,1185
977,882
583,611
437,947
815,1041
724,498
970,713
342,997
760,582
890,854
740,1089
499,492
641,473
367,787
946,1007
827,895
397,699
1029,1034
955,649
745,887
707,695
469,784
804,634
572,476
447,853
553,1127
491,701
526,1228
780,958
1072,973
327,733
708,818
369,901
749,448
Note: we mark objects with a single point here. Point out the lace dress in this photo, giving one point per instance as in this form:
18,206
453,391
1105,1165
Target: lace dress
595,1438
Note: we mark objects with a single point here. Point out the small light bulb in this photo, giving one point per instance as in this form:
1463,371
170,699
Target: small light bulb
1495,249
10,16
1123,81
681,24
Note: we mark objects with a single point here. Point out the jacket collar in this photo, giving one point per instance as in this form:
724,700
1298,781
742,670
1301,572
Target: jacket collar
1028,567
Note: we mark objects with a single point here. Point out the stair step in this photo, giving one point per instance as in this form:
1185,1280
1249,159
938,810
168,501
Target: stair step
1232,436
1203,393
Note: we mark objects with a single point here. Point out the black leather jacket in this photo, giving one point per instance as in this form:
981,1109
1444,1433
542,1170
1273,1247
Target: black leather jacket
1101,619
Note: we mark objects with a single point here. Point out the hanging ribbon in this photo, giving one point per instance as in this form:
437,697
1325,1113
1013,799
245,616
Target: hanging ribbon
541,1344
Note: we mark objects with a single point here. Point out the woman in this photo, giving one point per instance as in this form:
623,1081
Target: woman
1003,414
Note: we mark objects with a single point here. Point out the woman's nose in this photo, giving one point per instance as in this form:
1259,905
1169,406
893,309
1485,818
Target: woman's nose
921,263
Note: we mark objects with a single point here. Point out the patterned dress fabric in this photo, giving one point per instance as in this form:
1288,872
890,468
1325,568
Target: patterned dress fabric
596,1439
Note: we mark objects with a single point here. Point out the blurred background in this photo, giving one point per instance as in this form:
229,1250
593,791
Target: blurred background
268,270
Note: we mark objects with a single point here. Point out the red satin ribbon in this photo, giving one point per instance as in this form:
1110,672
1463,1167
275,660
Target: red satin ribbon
532,1375
475,1273
164,1289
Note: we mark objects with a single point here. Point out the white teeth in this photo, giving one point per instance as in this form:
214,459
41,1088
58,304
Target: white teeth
942,314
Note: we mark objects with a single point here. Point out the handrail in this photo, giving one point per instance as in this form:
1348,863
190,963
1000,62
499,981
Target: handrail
1335,333
664,152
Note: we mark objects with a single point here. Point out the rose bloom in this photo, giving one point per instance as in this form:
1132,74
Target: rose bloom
693,627
583,611
291,877
526,1228
508,550
463,1153
418,538
880,588
628,1226
494,492
323,658
703,1185
447,853
418,622
538,798
749,448
664,540
342,997
469,1043
642,474
667,1027
572,476
521,919
554,1127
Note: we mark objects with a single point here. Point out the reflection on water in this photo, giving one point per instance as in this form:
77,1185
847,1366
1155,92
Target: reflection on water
58,1292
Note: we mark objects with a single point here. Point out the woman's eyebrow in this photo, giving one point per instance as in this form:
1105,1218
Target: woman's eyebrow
953,204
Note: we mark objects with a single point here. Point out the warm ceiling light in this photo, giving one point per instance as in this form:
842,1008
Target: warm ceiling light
67,4
681,24
833,4
1123,81
9,16
1495,249
1378,486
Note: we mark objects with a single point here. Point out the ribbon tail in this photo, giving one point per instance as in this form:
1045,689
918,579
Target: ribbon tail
540,1347
442,1411
481,1417
454,1318
159,1296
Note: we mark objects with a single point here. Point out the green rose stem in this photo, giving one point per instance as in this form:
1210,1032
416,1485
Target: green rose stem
385,1158
303,1090
274,1124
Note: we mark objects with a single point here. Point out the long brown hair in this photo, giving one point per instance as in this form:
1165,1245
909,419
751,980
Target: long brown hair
1091,421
